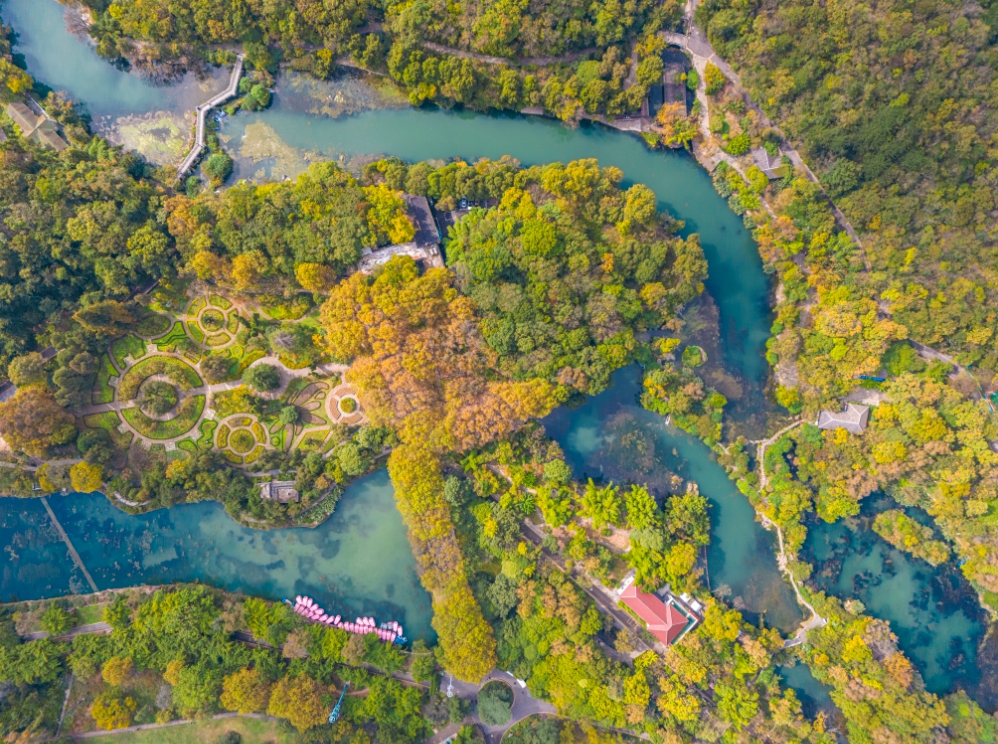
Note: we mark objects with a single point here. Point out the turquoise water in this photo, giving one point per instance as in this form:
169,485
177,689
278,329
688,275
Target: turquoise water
62,61
612,437
737,282
813,695
933,611
358,562
609,436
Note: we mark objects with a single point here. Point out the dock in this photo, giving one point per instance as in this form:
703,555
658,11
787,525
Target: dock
202,115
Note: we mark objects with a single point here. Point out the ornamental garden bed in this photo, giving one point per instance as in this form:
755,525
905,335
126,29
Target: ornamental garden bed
182,375
128,346
188,412
153,325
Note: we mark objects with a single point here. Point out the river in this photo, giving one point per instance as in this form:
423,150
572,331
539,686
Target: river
608,436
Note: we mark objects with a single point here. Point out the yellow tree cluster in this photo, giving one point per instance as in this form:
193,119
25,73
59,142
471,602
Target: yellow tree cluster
468,644
33,421
419,361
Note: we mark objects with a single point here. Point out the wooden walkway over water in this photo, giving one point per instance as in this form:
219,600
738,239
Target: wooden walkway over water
202,115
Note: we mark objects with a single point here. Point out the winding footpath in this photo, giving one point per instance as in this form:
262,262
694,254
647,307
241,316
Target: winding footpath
202,115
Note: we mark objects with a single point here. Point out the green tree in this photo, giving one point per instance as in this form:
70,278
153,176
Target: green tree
55,620
495,703
263,377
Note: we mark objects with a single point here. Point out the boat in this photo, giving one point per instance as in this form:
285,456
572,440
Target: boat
389,632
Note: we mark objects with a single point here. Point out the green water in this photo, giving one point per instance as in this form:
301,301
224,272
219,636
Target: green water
612,437
933,610
813,695
358,562
62,61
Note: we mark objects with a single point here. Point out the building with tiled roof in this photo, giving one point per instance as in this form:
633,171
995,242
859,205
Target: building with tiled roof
852,419
36,126
667,621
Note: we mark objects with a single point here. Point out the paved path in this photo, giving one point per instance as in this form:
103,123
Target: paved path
182,722
202,113
764,444
79,630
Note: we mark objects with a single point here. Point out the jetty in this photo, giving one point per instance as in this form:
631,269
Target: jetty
202,115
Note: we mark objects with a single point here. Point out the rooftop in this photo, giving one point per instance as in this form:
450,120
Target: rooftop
665,620
852,419
282,491
771,165
422,218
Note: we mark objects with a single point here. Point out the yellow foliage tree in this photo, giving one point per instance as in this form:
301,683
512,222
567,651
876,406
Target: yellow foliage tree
299,700
85,477
172,673
33,421
386,217
315,277
208,265
112,712
116,670
246,691
16,82
247,269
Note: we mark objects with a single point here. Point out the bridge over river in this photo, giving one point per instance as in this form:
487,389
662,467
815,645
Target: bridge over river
202,114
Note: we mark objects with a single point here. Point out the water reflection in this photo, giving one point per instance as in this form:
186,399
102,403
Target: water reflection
613,437
357,562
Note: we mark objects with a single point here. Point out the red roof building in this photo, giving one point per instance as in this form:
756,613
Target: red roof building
664,621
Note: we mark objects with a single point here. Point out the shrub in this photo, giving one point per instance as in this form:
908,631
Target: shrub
112,712
348,405
263,377
56,621
159,397
713,78
215,368
116,670
495,703
241,441
218,167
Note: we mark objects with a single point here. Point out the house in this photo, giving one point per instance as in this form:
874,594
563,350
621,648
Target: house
281,491
667,620
424,246
852,419
36,126
771,165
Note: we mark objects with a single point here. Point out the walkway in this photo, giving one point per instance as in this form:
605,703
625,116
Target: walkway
70,634
202,114
764,444
69,544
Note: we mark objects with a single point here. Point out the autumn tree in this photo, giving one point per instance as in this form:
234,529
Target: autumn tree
109,317
299,700
32,421
110,711
117,670
86,478
419,362
386,216
246,691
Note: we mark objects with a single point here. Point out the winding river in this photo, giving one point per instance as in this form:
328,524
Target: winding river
360,557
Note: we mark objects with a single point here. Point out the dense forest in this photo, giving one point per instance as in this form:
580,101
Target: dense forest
893,107
570,57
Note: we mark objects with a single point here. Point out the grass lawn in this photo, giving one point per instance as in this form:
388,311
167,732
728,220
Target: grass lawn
132,346
189,411
170,340
183,375
204,732
102,392
219,301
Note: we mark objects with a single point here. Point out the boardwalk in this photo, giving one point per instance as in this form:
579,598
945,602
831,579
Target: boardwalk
202,112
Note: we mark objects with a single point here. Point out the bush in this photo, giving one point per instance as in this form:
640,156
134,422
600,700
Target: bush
215,368
218,167
348,405
739,145
158,397
116,670
263,377
56,621
713,78
495,704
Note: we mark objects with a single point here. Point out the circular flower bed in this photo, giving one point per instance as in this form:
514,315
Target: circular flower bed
212,320
158,397
348,405
188,412
242,441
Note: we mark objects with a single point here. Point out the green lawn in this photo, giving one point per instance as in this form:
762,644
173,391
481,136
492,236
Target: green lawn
102,392
189,412
183,375
132,346
205,732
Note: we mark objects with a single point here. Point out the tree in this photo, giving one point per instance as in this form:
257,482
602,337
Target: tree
263,377
387,218
315,277
117,670
32,421
219,167
28,369
602,505
713,78
298,699
55,620
215,368
38,662
108,317
14,82
110,711
289,415
86,478
246,691
495,703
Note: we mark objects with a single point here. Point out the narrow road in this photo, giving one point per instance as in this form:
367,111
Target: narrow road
202,114
70,634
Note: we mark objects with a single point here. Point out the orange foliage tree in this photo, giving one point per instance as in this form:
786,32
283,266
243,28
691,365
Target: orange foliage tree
420,363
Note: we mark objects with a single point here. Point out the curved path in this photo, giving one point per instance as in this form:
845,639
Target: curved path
202,114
